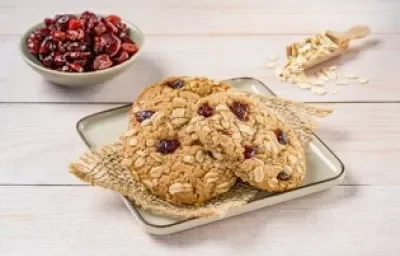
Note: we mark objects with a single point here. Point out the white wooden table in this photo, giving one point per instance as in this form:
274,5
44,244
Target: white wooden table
46,211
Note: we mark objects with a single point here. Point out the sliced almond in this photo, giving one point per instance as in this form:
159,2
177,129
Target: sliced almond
179,121
246,129
176,188
179,102
258,174
139,162
216,155
335,90
287,169
210,175
271,65
350,75
148,184
156,172
318,90
321,76
304,86
189,159
179,112
206,129
362,80
136,109
187,187
133,141
126,162
150,143
211,180
273,58
130,133
200,156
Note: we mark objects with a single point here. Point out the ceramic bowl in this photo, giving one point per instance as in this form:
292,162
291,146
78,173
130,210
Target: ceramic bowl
85,78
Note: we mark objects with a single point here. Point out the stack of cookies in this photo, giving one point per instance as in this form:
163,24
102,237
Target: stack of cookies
191,139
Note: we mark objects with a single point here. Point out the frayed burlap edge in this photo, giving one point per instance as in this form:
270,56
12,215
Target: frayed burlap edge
297,114
101,167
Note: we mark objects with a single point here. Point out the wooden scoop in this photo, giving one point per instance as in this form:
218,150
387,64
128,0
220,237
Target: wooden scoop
341,39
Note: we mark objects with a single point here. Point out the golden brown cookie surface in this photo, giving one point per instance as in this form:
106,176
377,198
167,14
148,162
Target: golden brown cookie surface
242,131
179,173
182,92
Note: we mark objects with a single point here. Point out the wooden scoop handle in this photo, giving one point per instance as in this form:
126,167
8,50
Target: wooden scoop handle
358,31
343,38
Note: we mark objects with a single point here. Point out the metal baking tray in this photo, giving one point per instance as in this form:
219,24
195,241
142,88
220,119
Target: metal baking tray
324,168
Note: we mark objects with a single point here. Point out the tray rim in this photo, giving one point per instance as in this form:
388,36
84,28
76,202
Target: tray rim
135,210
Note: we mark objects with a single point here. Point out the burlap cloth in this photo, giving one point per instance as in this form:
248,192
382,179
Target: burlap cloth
102,167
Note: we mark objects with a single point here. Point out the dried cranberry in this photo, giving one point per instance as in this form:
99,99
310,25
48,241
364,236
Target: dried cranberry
281,136
126,39
66,68
283,176
112,44
75,35
88,15
62,22
49,21
90,24
122,57
88,39
43,32
175,84
100,29
83,63
46,45
58,35
249,151
205,110
167,146
74,24
75,67
76,46
77,55
114,19
33,46
62,46
240,110
122,28
83,24
143,115
111,28
102,62
130,48
59,60
84,43
98,45
48,61
72,34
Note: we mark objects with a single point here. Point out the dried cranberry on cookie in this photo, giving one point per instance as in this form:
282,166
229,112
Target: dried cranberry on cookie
179,92
178,173
247,134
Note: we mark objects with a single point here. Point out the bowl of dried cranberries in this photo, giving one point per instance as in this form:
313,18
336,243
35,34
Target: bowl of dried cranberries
78,50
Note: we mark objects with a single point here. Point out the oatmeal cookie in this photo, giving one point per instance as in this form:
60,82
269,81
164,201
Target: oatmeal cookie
245,132
275,160
178,173
175,96
224,123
